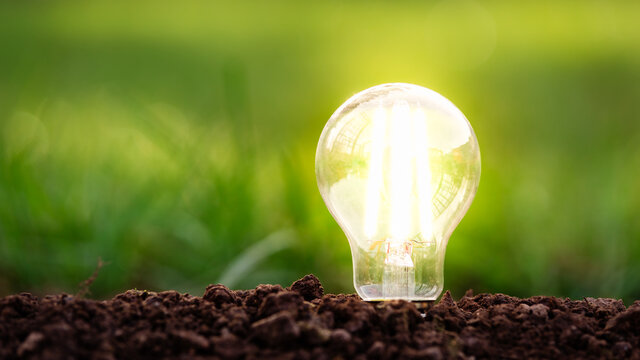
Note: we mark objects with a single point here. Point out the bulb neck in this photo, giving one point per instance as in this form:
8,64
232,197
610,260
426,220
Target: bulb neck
399,271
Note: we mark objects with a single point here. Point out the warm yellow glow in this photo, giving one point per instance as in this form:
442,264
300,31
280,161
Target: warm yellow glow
423,173
404,134
400,167
374,184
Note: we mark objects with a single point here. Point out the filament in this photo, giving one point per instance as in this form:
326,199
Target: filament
423,173
374,184
400,168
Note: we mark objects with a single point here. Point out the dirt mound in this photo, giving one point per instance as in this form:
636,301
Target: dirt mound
300,322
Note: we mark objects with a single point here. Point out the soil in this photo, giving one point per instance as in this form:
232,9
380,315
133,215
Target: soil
300,322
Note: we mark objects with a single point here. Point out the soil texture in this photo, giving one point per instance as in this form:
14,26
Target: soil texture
300,322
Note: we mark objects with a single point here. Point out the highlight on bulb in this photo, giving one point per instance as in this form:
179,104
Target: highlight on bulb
398,166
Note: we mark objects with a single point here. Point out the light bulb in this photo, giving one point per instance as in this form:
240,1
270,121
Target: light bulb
398,166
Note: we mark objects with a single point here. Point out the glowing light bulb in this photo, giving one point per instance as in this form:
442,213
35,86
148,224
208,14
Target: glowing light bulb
398,166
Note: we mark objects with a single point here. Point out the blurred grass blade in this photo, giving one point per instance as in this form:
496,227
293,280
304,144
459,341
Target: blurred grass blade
247,261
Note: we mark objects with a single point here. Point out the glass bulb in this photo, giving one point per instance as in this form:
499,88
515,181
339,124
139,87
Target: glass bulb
398,166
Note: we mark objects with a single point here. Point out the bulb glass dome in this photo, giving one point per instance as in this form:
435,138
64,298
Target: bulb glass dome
398,166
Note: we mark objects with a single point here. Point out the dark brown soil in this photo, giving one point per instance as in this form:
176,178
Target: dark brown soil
299,322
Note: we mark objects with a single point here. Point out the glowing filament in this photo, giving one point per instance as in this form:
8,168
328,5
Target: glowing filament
423,173
400,167
406,134
374,185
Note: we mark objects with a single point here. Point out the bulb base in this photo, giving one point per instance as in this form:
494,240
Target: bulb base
399,269
419,304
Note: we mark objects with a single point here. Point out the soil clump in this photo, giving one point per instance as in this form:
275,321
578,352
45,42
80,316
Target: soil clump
301,322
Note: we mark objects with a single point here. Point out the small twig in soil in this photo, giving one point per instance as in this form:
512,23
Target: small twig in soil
84,286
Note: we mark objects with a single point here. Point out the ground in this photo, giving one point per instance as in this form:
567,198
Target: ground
300,322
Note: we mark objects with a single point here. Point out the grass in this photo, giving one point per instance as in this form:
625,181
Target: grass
177,143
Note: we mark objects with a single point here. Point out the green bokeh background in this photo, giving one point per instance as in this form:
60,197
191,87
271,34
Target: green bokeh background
176,140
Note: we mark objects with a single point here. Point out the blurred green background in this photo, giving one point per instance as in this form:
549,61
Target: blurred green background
176,140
